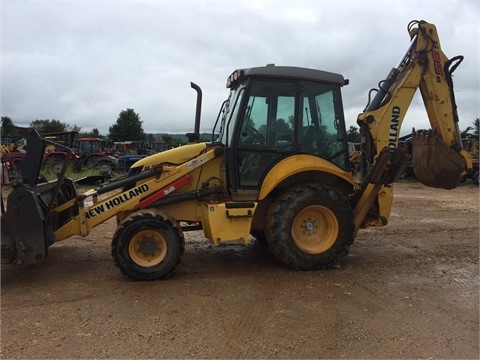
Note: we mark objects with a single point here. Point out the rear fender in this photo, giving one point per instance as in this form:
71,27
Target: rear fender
298,164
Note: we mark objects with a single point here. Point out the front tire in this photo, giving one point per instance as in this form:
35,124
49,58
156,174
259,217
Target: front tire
148,245
310,227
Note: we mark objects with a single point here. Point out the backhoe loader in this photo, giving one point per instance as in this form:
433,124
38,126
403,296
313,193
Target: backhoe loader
277,169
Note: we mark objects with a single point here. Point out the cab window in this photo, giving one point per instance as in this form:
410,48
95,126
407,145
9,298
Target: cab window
267,130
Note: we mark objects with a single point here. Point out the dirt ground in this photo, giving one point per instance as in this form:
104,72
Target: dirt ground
407,290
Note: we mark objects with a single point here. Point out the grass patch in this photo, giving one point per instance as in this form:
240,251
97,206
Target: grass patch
70,173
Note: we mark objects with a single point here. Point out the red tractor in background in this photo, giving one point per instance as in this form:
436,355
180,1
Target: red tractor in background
88,152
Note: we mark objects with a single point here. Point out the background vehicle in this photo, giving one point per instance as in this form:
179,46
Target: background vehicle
129,152
471,145
278,168
138,147
355,151
12,152
87,152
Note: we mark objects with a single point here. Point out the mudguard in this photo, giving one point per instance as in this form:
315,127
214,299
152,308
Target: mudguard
293,165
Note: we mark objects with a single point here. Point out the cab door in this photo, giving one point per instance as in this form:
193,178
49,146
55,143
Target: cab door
265,133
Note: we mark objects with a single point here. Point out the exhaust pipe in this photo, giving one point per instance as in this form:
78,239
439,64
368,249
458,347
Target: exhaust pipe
195,136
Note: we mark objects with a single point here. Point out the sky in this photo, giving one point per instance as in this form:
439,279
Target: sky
83,62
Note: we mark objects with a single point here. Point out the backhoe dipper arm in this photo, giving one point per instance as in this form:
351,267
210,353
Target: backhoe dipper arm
426,67
437,155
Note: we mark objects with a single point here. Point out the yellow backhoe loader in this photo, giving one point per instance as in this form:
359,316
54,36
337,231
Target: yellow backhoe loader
277,169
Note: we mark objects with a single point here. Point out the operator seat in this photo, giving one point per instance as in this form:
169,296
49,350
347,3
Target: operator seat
309,140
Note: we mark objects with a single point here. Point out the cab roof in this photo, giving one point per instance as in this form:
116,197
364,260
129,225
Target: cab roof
288,72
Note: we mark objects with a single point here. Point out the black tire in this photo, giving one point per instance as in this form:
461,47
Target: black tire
475,177
104,165
55,166
54,163
148,245
310,227
259,236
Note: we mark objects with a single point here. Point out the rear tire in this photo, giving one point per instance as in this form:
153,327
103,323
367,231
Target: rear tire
310,227
54,165
148,245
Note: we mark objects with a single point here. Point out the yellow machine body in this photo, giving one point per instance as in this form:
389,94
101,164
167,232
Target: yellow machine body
279,171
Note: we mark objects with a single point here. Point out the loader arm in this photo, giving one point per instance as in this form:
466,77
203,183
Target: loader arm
157,183
437,155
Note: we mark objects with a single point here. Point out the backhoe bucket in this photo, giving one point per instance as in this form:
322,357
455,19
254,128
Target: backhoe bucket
435,164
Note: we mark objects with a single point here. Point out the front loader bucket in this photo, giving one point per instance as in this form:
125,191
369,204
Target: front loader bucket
435,164
24,239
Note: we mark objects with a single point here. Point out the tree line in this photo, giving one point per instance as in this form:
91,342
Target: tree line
128,127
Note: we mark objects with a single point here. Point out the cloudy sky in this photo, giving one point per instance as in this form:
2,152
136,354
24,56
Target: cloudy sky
83,62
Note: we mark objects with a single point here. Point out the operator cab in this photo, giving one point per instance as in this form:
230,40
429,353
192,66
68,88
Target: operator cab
274,112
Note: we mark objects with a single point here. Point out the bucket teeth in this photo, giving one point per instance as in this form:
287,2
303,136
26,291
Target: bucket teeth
424,133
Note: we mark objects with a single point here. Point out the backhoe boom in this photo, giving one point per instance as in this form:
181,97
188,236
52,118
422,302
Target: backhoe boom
437,156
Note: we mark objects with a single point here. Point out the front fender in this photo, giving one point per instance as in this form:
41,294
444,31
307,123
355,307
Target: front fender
297,164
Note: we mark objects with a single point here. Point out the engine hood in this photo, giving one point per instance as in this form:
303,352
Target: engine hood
177,155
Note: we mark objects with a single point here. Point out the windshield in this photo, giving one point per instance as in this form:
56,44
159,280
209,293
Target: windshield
223,129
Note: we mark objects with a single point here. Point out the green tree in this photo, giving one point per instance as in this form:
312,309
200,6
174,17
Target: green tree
127,127
283,129
8,129
353,135
168,140
48,126
95,133
466,134
172,141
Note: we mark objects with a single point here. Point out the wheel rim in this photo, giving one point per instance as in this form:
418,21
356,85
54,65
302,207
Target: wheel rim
105,168
315,229
147,248
56,167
